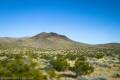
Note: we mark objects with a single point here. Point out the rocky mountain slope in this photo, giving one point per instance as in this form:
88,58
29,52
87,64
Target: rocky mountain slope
48,40
42,40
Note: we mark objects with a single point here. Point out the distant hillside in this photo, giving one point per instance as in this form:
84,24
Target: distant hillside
109,45
42,40
49,40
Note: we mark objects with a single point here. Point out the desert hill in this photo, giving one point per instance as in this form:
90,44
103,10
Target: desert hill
49,40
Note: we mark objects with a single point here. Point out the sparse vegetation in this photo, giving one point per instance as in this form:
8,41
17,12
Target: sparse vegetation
72,62
116,74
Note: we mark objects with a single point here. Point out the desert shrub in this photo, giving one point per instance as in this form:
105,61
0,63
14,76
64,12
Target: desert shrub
59,64
116,75
99,55
47,57
81,58
82,67
71,56
19,67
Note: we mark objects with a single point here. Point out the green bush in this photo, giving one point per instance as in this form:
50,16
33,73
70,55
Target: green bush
116,75
19,67
59,64
99,55
82,67
71,56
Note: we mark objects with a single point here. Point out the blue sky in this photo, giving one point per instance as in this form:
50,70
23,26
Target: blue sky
88,21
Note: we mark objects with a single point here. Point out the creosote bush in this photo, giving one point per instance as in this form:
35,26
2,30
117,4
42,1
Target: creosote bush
82,67
18,66
59,64
116,75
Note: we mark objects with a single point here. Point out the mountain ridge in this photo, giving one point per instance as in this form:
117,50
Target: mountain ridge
49,40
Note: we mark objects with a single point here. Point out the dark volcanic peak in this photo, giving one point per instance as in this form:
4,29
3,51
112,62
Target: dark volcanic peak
51,34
